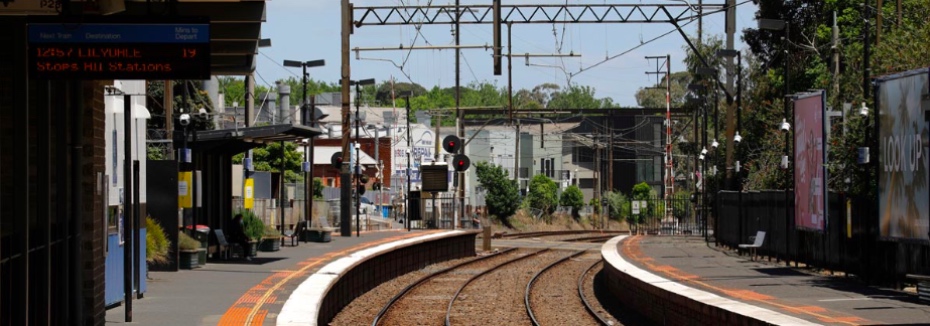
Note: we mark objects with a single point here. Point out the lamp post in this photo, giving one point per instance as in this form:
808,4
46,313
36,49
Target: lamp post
358,157
307,110
709,72
698,90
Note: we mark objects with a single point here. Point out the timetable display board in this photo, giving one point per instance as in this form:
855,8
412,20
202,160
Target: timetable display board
91,51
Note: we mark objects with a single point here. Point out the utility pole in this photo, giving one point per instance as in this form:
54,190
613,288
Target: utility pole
597,170
460,116
610,154
731,110
345,193
516,156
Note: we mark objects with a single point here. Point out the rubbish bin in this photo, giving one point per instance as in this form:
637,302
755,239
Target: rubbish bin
202,234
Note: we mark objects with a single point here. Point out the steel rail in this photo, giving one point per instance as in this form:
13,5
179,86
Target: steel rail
423,279
529,285
448,321
584,299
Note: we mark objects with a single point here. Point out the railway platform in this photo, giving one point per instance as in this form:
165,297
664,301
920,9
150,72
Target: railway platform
239,292
689,271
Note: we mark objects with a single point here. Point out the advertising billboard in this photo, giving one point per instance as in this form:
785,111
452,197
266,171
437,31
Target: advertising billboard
809,158
902,161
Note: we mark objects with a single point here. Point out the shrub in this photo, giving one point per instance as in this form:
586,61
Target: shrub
156,242
573,198
186,242
253,227
271,233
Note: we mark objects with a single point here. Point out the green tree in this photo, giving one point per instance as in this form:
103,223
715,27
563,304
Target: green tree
317,188
578,97
503,196
483,94
387,91
654,96
616,201
642,191
543,193
572,197
268,158
537,98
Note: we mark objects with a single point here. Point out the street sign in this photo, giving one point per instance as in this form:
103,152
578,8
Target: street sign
87,51
635,207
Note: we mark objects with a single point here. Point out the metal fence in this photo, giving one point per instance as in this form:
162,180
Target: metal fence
667,216
850,241
441,212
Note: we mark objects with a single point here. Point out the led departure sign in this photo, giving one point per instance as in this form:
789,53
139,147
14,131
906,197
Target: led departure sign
119,51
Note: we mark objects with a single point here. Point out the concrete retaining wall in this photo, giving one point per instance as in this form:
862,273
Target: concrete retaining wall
318,299
666,302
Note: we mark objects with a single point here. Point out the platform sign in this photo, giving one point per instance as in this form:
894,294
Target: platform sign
249,194
119,51
185,191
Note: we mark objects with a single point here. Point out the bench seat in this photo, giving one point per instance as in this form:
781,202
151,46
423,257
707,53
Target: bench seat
756,243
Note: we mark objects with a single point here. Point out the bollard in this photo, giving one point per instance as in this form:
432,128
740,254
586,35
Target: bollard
486,237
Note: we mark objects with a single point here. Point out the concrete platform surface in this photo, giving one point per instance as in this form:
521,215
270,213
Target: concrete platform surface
796,292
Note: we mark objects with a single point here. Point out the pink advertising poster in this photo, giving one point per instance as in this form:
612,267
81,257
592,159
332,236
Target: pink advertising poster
809,173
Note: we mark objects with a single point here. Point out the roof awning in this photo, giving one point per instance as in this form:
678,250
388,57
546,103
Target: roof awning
235,29
234,141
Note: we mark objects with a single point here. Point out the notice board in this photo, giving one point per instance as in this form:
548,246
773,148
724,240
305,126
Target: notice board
108,49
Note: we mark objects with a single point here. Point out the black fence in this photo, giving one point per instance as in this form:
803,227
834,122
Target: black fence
444,211
850,242
677,215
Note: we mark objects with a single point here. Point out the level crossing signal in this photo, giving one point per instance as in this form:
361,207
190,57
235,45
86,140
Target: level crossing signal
336,160
460,162
452,144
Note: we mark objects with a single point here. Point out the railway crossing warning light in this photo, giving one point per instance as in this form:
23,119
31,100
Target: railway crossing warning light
452,144
336,160
461,162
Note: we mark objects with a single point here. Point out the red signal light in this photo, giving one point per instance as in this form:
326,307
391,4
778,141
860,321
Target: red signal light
461,162
451,144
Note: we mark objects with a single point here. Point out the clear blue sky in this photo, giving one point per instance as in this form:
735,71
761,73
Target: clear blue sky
309,30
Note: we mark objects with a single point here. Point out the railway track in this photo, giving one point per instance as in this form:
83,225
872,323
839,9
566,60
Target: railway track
494,297
516,286
541,234
548,306
416,303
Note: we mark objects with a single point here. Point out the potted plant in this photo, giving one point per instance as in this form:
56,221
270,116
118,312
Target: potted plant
271,239
254,228
156,243
188,251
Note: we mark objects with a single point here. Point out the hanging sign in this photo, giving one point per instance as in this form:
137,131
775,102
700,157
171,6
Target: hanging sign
87,51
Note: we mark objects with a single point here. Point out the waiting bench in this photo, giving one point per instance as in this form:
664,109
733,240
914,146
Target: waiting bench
756,243
225,248
319,230
923,287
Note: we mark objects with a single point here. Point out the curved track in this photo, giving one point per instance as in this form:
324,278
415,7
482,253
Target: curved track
540,234
458,293
550,307
403,293
584,298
